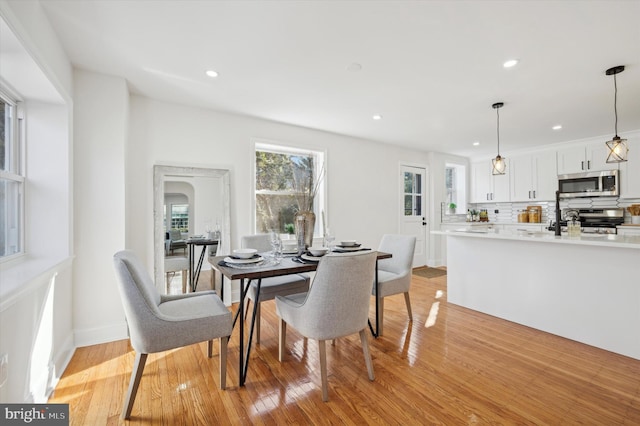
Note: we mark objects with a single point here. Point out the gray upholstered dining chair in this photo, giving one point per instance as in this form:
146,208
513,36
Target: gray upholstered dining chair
159,322
394,274
270,287
336,305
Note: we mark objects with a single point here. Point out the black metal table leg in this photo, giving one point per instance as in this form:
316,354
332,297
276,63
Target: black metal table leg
253,323
199,267
191,286
375,333
241,354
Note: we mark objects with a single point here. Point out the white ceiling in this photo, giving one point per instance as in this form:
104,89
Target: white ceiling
431,68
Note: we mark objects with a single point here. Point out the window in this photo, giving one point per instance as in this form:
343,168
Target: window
455,187
180,217
11,179
284,178
412,194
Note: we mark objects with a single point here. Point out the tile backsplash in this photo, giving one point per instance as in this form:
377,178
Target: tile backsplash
508,212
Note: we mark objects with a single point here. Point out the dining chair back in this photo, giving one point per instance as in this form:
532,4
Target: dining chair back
336,305
270,287
394,274
161,322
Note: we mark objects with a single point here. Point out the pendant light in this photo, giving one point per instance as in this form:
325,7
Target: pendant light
618,148
499,165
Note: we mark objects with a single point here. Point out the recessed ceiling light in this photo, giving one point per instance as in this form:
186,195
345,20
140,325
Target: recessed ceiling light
377,117
354,67
212,73
476,143
510,63
557,127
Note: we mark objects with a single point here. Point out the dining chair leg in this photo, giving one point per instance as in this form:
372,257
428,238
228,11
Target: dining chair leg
407,301
223,361
136,375
323,369
184,280
367,354
210,348
282,334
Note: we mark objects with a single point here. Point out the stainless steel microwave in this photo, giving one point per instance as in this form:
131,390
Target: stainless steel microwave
589,184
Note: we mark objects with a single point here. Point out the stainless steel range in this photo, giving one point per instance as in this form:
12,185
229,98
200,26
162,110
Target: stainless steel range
593,221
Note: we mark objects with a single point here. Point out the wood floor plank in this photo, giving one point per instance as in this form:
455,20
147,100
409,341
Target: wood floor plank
449,366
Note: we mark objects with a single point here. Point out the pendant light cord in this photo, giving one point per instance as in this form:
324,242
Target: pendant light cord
615,101
498,128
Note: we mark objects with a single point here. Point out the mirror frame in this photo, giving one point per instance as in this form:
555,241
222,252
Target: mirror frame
160,173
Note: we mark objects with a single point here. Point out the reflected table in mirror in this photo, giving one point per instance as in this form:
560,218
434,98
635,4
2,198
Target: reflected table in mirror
194,270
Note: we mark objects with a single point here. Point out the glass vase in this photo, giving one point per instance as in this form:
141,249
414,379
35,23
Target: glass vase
305,221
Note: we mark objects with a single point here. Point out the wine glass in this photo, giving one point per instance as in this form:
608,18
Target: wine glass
328,239
276,246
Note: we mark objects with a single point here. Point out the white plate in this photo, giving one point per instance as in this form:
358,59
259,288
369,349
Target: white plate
311,258
350,246
254,259
341,248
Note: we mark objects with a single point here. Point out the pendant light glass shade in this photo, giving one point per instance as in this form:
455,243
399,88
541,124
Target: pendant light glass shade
618,148
498,163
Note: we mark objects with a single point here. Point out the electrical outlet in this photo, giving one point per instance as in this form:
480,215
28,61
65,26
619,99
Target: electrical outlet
4,369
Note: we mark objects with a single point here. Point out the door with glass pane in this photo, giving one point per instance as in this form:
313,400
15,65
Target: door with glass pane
414,215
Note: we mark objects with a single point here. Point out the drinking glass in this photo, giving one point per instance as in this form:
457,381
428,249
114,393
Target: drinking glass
276,246
328,239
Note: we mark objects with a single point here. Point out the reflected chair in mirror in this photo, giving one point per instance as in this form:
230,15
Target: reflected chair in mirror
158,322
176,241
336,305
270,287
394,274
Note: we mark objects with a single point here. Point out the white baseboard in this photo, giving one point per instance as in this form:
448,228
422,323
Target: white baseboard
95,336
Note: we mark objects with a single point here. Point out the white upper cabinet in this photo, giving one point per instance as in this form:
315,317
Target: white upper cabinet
630,170
533,177
486,186
583,158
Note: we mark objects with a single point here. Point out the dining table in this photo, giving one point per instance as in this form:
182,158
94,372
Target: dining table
265,269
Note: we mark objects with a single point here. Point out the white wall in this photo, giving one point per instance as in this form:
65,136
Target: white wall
100,134
35,289
362,176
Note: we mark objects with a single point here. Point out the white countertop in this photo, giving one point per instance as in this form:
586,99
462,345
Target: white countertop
620,241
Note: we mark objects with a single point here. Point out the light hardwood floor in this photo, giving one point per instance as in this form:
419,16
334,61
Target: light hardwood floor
451,366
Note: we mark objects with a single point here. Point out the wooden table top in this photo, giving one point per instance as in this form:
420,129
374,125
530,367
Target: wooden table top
285,267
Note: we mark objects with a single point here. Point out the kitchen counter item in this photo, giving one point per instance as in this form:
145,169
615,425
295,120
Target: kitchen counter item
535,214
523,216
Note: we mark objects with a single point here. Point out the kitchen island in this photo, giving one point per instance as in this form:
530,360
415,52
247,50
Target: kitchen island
583,288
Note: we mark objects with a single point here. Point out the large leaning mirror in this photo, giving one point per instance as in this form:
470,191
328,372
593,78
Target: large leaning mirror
187,202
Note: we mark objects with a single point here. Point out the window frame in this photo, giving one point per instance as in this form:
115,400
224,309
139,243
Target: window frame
319,206
16,170
461,189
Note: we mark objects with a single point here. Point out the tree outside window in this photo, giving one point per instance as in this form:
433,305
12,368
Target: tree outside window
284,179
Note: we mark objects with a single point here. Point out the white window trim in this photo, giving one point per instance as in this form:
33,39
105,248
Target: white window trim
19,175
